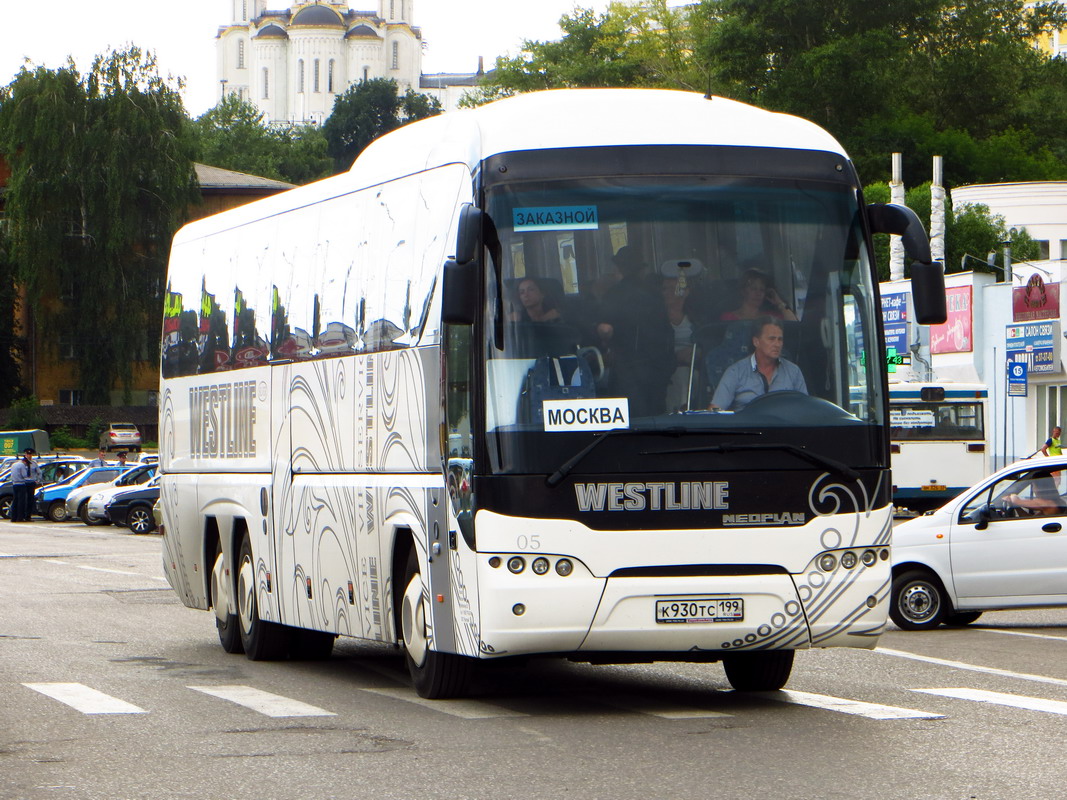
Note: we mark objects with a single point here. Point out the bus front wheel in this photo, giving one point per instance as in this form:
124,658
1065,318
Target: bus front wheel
261,640
760,671
435,675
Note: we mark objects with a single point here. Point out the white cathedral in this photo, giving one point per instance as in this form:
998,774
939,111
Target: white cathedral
292,64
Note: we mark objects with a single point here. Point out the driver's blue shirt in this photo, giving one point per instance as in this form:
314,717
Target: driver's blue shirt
742,383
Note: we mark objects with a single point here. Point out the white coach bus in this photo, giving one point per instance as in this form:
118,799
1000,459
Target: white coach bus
937,441
460,398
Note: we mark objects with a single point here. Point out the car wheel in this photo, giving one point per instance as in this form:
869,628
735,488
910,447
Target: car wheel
57,511
227,625
761,671
262,640
5,506
917,601
139,520
435,675
960,618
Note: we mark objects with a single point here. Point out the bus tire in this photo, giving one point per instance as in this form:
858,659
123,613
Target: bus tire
917,602
962,617
435,675
229,630
759,671
262,640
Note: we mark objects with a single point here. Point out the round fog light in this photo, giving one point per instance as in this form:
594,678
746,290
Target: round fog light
518,609
848,559
869,557
516,564
827,562
564,567
539,566
494,562
884,555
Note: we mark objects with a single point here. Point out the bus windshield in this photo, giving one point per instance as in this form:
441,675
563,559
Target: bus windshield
642,302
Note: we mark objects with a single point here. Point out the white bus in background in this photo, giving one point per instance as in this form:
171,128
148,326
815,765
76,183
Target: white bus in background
391,409
938,441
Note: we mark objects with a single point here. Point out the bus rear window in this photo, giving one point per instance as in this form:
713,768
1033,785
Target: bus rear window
942,421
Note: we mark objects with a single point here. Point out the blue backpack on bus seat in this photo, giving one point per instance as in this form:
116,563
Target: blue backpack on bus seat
562,378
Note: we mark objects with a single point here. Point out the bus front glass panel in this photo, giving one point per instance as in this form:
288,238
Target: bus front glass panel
623,303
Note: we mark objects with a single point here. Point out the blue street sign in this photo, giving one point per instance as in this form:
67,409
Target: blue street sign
1017,371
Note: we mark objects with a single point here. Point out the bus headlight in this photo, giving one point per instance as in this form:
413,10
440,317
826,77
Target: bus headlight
868,558
539,565
848,559
827,562
516,564
564,567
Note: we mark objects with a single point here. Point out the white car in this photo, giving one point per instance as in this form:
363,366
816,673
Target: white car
1001,544
78,499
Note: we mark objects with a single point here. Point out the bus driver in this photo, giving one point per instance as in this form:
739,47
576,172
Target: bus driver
761,373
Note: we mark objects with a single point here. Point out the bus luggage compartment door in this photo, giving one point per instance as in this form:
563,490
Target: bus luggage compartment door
735,612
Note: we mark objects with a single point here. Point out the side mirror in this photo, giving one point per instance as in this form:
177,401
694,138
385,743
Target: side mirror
459,304
469,238
927,275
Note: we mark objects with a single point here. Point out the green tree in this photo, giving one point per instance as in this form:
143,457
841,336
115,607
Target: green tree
235,135
367,110
25,415
12,346
101,176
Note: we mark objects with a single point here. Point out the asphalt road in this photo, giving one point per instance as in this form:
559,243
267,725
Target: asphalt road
110,688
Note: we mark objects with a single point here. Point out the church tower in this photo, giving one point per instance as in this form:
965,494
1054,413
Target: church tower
243,11
395,10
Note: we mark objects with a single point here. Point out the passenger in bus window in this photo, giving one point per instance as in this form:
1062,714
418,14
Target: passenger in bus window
534,305
636,337
759,298
761,373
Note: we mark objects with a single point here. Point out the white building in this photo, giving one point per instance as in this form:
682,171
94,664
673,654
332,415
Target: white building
293,63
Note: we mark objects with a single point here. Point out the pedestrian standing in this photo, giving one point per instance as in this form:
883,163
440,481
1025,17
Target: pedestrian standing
122,460
25,477
1051,447
100,460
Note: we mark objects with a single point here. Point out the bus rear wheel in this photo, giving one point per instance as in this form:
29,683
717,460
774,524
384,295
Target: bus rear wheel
760,671
262,640
435,675
227,625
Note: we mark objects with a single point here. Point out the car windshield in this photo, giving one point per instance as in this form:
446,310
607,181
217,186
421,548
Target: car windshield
630,302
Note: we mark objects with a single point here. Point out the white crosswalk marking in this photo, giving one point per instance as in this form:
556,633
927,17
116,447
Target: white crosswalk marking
856,707
81,698
467,709
271,705
663,711
1001,699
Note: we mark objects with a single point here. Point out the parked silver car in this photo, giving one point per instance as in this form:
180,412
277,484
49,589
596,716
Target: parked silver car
121,436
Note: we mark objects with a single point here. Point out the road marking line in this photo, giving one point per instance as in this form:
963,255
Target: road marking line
854,707
1001,699
103,569
81,698
643,706
266,703
467,709
1022,633
944,662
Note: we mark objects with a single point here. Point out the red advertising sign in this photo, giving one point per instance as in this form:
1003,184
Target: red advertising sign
1035,300
954,335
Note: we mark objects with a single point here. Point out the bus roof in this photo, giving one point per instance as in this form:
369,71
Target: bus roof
538,121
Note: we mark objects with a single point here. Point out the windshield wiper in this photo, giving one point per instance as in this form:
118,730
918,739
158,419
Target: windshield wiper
568,465
832,464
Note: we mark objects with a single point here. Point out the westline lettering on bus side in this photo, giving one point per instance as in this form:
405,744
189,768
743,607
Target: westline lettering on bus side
223,418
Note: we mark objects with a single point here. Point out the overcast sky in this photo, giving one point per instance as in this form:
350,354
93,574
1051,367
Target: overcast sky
182,33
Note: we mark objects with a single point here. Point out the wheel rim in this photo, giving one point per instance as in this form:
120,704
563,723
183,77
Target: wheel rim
58,512
919,602
139,520
5,507
216,590
246,597
413,621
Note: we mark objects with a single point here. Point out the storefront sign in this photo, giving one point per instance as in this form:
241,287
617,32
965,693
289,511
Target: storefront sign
954,335
1035,300
1037,344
